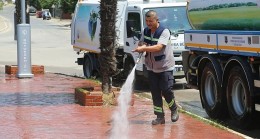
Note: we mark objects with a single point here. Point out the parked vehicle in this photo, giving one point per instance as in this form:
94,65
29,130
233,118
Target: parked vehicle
46,15
38,14
85,29
224,61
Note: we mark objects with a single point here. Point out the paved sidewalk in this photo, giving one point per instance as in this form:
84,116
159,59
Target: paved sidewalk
43,107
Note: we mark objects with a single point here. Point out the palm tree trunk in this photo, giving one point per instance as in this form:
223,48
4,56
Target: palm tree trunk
108,11
18,12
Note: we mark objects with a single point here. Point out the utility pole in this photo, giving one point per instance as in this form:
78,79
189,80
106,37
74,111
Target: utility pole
24,46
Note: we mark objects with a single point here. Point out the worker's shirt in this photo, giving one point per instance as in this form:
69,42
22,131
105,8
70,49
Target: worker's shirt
162,60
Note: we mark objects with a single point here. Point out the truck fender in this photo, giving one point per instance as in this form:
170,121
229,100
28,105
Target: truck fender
190,61
216,65
235,60
194,62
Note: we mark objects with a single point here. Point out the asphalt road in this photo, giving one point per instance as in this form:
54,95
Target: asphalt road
50,46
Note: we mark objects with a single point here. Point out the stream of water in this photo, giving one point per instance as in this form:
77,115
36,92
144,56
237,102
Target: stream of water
120,125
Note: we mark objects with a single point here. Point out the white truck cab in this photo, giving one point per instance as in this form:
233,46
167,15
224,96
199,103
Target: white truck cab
172,16
85,29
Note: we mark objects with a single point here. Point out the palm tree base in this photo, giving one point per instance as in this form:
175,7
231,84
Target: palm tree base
108,99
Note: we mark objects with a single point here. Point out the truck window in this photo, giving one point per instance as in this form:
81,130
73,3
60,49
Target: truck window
173,18
137,21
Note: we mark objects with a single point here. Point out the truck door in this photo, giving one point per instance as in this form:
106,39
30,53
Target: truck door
133,36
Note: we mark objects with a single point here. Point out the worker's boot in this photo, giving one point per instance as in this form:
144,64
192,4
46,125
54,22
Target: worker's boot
158,120
174,115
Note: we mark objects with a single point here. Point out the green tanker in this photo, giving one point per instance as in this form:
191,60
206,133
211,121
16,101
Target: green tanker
224,14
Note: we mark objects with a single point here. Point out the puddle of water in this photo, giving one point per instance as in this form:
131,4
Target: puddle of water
120,125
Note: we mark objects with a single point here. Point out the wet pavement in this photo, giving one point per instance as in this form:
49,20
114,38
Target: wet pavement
43,107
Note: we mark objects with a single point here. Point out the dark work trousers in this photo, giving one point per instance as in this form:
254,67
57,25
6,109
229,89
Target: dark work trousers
161,84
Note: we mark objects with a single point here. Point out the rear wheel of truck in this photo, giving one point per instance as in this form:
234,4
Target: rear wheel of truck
240,103
87,67
212,96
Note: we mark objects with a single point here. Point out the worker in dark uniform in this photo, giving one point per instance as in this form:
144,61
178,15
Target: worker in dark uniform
159,60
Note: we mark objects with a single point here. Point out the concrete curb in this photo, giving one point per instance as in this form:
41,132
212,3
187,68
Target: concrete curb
13,69
215,124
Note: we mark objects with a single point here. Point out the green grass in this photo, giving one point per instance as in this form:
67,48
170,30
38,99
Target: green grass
238,18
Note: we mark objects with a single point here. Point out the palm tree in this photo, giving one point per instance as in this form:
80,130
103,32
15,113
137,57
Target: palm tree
108,68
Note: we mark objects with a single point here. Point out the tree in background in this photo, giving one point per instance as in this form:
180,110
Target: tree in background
46,4
36,4
68,6
107,60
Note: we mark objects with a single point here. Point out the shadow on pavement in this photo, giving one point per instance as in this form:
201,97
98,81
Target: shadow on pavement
35,99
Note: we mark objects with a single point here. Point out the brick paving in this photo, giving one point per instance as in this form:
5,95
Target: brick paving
43,107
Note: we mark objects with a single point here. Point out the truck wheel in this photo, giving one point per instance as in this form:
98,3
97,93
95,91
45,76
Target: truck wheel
87,67
212,95
240,104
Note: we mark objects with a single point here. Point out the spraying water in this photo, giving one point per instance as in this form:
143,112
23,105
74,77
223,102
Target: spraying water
120,119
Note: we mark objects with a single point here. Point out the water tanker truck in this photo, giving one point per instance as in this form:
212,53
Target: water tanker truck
223,61
85,31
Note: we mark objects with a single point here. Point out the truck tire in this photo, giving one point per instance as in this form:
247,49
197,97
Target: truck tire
87,67
212,96
240,103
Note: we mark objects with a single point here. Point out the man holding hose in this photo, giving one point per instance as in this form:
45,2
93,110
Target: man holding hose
159,60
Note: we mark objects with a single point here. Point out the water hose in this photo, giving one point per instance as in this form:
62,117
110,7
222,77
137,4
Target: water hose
139,57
